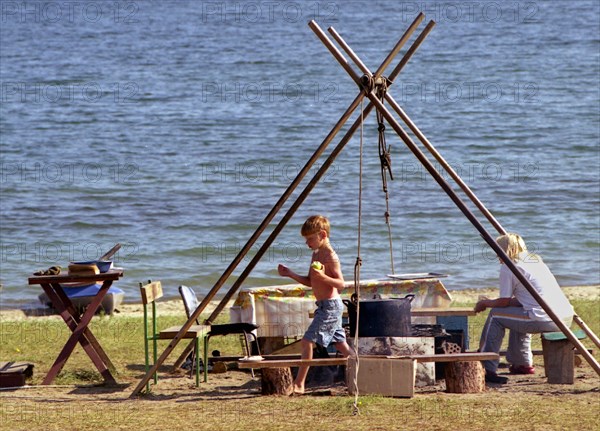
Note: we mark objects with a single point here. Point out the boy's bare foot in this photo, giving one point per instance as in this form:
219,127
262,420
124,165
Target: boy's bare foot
298,390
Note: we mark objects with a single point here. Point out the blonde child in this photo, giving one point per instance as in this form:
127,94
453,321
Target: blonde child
518,311
326,282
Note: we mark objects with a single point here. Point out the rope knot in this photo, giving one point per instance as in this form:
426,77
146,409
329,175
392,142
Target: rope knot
368,83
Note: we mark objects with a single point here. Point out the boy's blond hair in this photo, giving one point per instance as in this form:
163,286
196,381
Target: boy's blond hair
315,224
512,244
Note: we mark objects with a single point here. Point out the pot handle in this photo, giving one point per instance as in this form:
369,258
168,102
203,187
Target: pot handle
348,303
410,297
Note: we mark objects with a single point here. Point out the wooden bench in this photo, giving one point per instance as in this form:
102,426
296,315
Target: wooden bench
559,356
292,361
276,376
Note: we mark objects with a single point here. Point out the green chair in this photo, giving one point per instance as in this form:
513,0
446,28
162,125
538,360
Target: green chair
150,293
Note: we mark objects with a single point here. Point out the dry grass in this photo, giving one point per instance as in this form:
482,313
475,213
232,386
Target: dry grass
231,401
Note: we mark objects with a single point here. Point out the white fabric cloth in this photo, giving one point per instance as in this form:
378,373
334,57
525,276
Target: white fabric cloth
538,274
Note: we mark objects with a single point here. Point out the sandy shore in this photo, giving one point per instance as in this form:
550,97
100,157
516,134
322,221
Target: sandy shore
174,306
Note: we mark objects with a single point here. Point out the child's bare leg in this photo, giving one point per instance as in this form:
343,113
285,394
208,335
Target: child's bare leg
307,353
344,349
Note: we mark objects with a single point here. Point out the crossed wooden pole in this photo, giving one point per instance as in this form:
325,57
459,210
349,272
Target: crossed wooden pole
368,84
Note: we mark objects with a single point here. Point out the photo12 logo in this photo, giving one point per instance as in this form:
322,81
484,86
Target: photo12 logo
471,11
259,172
68,173
46,92
50,12
268,11
456,91
53,252
266,91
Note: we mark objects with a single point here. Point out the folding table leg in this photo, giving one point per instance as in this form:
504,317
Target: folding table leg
78,333
87,335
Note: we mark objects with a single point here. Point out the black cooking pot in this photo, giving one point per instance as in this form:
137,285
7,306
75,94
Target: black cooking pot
381,317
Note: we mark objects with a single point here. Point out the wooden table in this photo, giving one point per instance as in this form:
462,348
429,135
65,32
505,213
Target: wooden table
77,322
430,311
453,319
443,312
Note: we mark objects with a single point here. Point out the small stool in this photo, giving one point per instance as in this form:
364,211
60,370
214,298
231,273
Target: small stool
559,356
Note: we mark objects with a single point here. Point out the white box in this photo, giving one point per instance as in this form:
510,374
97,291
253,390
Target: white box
392,377
401,346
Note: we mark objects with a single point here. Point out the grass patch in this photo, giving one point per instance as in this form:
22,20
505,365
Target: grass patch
226,403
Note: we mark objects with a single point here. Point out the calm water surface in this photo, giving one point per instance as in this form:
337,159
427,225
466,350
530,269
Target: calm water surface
174,127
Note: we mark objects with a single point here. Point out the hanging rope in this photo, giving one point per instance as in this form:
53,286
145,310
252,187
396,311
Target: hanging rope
357,265
385,161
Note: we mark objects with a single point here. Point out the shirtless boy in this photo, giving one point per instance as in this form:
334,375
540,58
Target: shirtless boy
326,279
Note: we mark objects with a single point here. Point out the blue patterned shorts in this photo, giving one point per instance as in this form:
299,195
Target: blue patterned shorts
326,326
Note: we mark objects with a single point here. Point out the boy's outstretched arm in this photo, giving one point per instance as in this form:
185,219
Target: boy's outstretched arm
284,271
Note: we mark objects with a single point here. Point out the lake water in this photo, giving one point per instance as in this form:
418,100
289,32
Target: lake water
174,127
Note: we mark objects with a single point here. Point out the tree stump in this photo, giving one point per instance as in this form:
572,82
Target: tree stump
559,361
277,381
465,377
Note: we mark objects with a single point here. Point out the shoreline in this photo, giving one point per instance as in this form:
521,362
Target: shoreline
174,306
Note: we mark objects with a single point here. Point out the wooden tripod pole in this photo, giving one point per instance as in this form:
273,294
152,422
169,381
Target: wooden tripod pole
460,204
421,136
206,300
466,189
587,330
323,169
445,164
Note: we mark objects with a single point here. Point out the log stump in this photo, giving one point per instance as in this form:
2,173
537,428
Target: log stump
277,381
465,377
559,361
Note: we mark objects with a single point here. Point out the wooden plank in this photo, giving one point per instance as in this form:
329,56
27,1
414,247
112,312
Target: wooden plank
450,357
151,292
456,311
541,352
193,332
113,275
454,357
236,358
422,312
458,357
283,363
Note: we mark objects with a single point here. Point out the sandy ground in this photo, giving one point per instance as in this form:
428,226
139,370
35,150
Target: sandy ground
238,390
